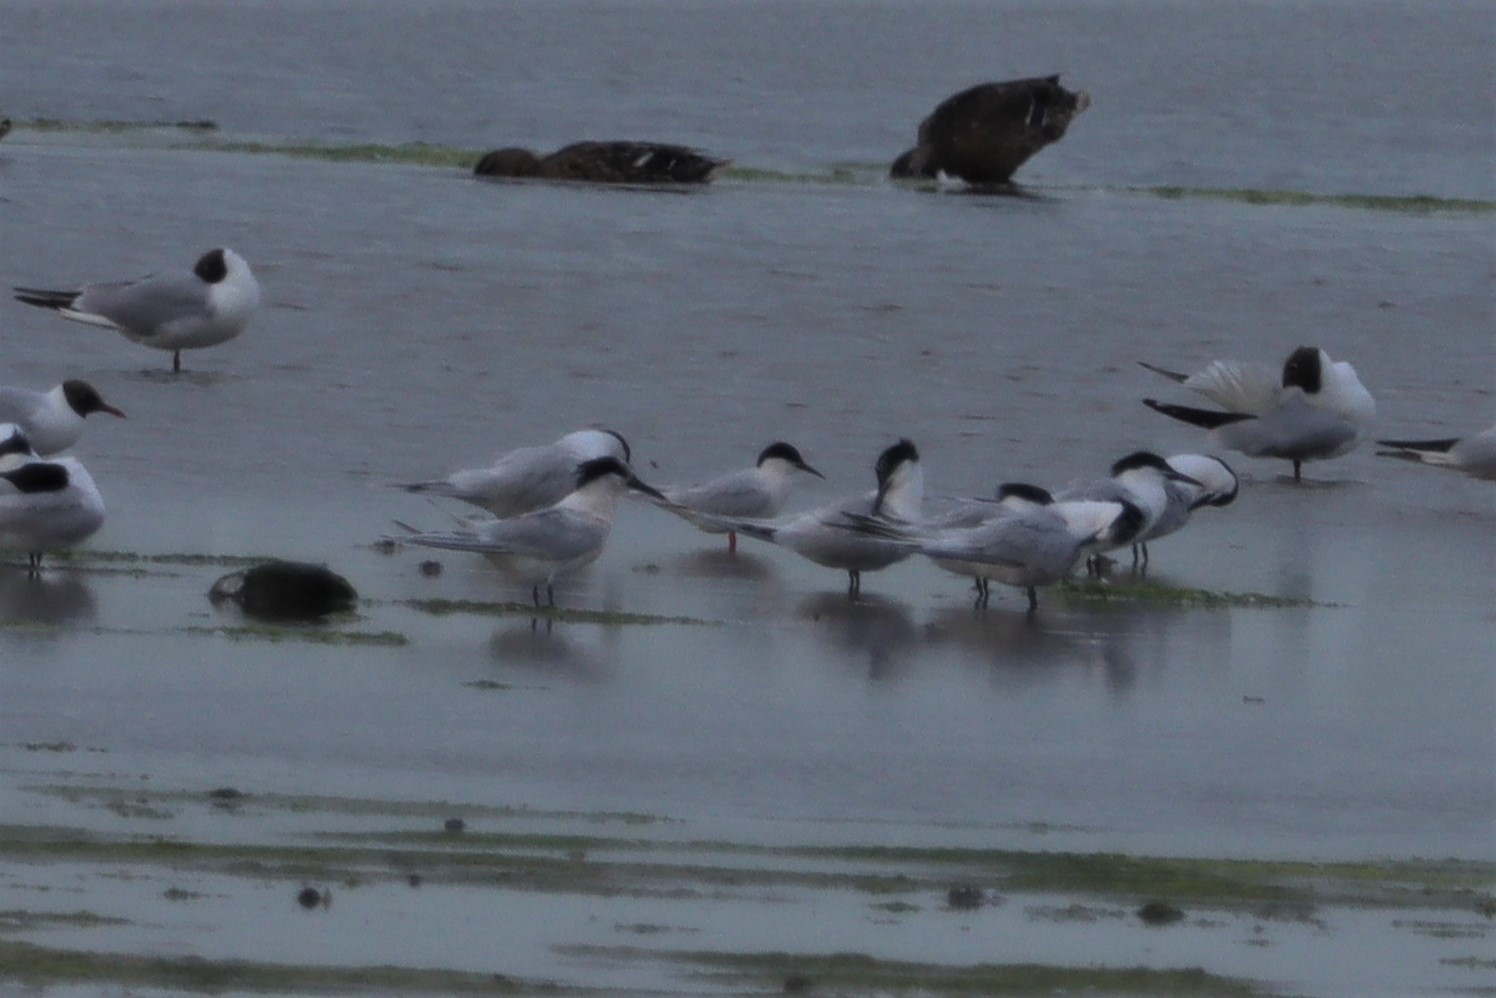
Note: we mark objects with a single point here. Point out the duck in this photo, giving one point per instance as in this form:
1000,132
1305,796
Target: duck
605,163
986,132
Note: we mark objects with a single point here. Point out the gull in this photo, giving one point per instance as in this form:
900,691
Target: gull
172,310
45,504
529,478
1475,455
759,492
1315,408
821,535
53,420
539,546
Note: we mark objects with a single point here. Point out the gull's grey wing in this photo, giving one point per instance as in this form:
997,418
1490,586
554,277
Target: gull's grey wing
1295,431
142,307
19,405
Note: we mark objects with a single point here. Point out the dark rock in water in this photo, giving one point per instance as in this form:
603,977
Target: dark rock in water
985,133
605,163
964,897
310,897
454,825
1159,913
286,590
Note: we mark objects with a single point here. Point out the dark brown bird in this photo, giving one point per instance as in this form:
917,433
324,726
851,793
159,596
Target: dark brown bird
985,133
605,163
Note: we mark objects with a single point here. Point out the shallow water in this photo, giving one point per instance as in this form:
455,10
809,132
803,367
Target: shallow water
417,321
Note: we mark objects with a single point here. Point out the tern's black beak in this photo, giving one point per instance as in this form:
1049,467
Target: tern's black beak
1179,476
636,484
809,470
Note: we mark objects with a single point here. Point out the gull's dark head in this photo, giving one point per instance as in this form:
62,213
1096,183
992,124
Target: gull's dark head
83,398
212,266
1304,369
13,440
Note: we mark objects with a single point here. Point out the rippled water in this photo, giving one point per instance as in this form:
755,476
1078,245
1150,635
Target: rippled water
417,321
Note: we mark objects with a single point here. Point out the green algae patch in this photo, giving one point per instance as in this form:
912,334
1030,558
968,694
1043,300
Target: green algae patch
114,126
838,973
91,557
1288,884
22,921
404,153
1417,204
41,966
1143,591
449,607
304,635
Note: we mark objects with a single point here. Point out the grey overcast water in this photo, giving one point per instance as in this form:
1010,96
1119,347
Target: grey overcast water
1243,183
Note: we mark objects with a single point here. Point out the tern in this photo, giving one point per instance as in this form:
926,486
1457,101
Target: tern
1036,543
759,492
821,535
1208,481
529,478
1141,478
539,546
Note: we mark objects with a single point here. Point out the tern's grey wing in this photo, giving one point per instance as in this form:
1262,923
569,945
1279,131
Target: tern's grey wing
951,513
521,481
143,307
1176,512
1095,490
740,493
1038,541
550,534
557,534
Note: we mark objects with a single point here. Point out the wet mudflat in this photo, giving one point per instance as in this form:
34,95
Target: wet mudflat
717,774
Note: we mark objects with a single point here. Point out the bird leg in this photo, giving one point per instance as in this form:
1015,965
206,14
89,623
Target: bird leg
854,582
1033,601
176,362
732,542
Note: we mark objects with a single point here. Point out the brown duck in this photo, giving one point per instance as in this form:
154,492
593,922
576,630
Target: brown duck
605,163
985,133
